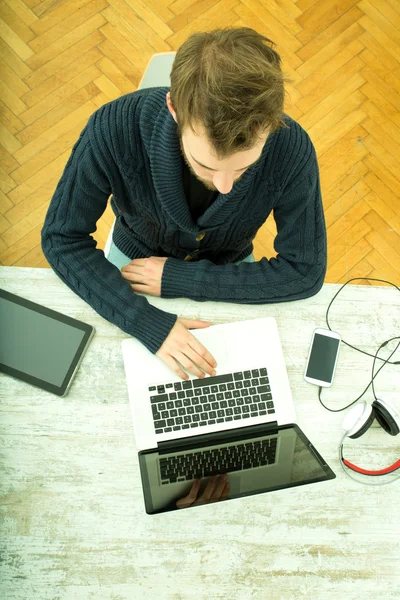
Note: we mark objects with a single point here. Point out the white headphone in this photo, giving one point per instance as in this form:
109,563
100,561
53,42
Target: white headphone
357,421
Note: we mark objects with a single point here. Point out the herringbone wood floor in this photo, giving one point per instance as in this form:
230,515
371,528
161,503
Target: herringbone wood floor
62,59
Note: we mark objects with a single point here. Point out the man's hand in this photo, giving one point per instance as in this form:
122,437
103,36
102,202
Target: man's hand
180,345
145,274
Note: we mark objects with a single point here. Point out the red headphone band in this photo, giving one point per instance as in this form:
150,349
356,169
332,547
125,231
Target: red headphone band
390,469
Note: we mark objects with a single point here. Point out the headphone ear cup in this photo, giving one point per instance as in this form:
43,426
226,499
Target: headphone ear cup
384,418
365,427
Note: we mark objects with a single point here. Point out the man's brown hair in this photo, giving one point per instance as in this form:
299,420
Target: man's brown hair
230,82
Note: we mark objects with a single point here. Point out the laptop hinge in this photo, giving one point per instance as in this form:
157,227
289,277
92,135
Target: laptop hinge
228,435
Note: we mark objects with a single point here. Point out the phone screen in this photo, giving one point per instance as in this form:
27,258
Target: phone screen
322,358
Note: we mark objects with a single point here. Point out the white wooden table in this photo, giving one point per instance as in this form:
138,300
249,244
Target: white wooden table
73,523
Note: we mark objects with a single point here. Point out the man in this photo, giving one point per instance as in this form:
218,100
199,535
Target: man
185,221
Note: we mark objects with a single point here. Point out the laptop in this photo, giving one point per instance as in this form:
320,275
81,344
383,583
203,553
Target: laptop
241,422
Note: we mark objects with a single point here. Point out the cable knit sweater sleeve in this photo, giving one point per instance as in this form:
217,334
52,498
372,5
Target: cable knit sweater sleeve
78,202
298,270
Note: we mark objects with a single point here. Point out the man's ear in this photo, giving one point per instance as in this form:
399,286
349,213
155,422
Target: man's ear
170,107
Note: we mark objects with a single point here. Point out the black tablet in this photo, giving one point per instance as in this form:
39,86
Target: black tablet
39,345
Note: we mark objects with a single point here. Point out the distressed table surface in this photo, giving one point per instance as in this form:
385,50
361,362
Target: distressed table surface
73,524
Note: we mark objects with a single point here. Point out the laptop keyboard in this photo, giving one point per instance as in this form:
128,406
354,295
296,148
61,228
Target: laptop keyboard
196,465
199,402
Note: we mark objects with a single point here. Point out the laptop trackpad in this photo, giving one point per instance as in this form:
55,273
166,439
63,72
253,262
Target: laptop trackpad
214,341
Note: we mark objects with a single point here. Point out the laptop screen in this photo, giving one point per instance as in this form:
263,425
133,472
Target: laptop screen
264,463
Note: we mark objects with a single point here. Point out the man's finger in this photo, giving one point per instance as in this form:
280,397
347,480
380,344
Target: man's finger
191,497
209,489
219,489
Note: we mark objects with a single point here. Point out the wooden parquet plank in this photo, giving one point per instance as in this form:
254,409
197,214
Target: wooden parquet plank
15,23
289,56
381,70
23,11
390,26
6,183
63,44
271,24
45,139
27,224
383,200
386,127
134,29
47,6
319,41
8,140
52,101
63,27
377,167
11,80
291,22
11,100
334,106
346,201
391,146
348,261
4,224
346,221
337,161
362,269
107,87
33,256
331,49
117,77
382,268
29,193
379,100
56,16
63,60
384,88
144,21
42,159
9,119
7,161
390,9
20,48
349,238
332,75
21,247
5,203
123,41
392,238
322,16
50,120
344,184
349,125
13,60
380,51
121,62
390,162
390,254
52,84
376,32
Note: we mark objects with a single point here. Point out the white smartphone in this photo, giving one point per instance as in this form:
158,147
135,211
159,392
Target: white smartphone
322,357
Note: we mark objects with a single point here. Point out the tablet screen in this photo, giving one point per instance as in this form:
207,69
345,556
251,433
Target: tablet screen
37,343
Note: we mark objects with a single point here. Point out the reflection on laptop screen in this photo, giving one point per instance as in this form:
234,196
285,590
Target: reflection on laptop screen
254,465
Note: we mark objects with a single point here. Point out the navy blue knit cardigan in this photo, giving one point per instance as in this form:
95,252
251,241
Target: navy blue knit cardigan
130,149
